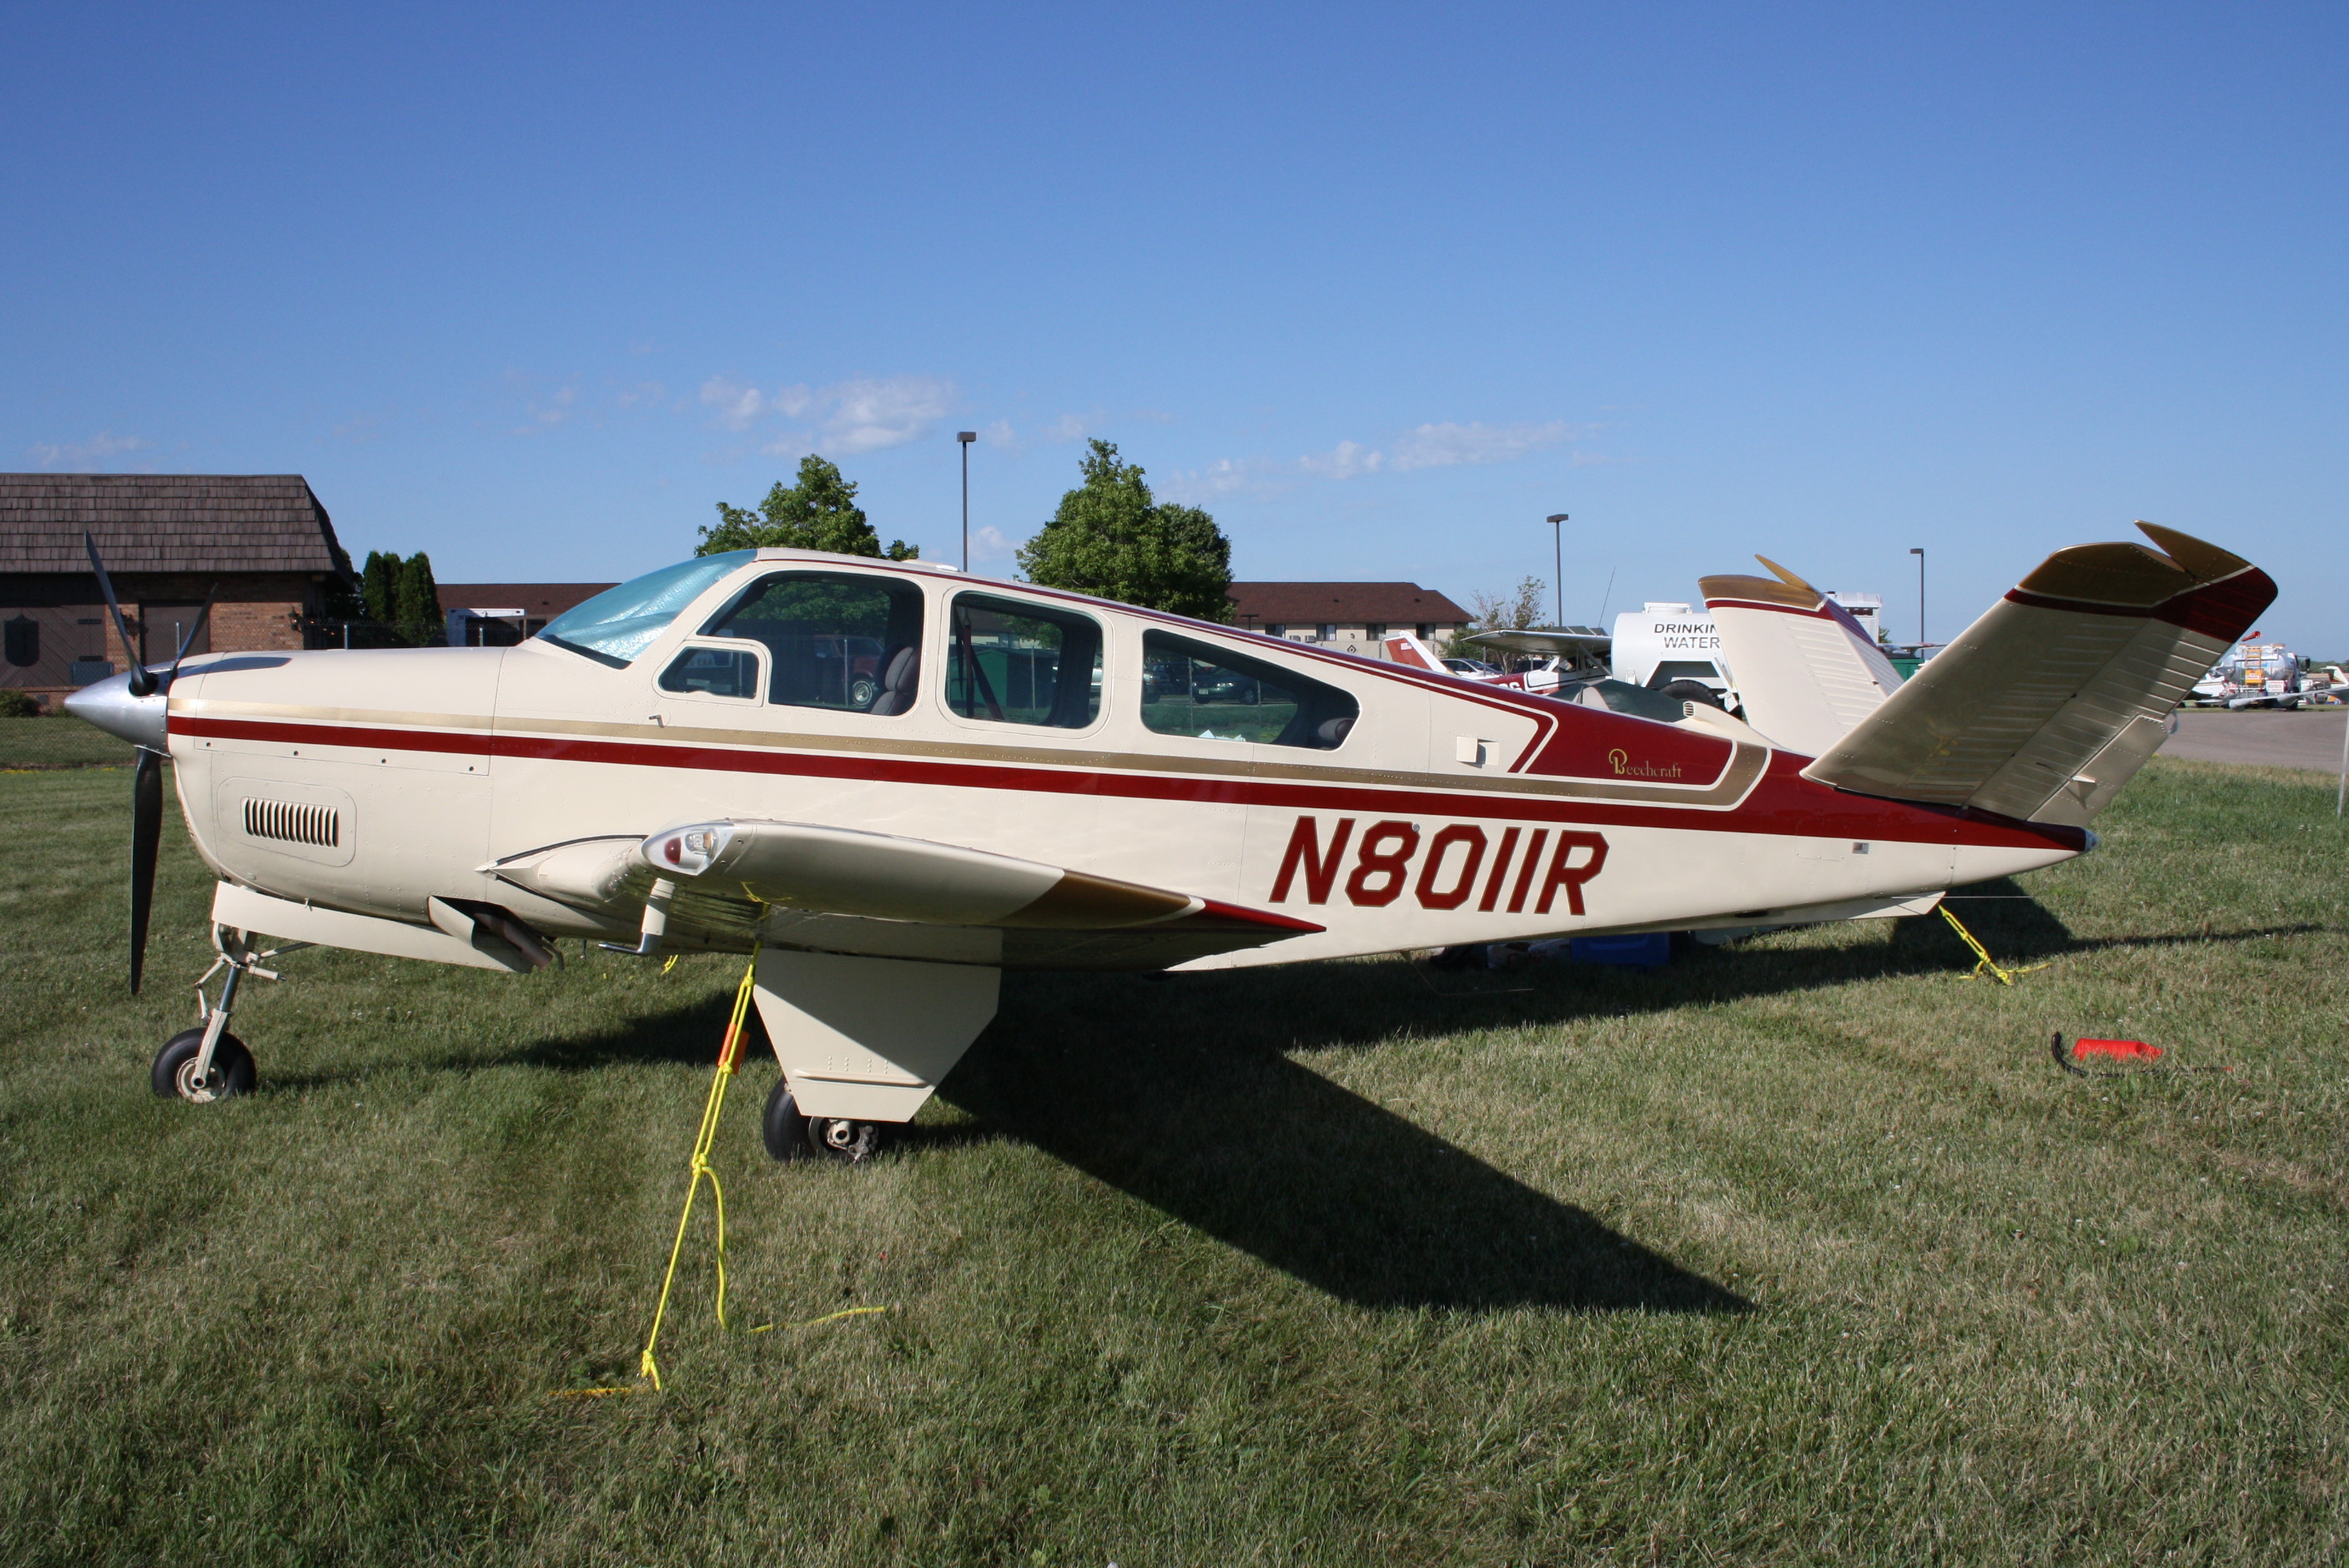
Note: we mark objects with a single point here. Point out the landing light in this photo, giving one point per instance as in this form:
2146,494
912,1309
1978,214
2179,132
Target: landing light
689,850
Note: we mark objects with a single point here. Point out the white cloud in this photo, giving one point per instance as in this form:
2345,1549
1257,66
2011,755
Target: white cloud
1344,462
546,413
81,456
1440,447
862,415
1445,446
1224,476
1000,435
1071,427
990,541
868,415
737,406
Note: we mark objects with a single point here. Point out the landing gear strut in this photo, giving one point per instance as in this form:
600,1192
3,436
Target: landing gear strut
208,1063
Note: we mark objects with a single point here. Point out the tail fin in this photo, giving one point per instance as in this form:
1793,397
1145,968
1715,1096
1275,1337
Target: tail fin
1413,653
1805,670
2044,707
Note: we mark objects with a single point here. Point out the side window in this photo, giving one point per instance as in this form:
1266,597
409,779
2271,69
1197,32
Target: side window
1193,688
713,672
842,640
1018,662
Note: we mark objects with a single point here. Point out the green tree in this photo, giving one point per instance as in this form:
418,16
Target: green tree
401,596
1112,538
820,512
379,586
416,606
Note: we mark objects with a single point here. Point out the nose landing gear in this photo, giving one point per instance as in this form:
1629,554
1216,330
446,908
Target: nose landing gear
176,1073
207,1064
791,1136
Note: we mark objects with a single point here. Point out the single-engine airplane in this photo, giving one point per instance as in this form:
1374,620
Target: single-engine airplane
1026,779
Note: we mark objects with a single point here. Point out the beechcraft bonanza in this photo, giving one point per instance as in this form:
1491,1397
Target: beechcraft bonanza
891,782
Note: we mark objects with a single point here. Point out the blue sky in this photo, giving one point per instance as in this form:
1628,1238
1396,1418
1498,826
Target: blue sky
531,288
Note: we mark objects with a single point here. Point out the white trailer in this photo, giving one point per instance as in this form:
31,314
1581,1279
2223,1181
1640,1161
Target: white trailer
1661,643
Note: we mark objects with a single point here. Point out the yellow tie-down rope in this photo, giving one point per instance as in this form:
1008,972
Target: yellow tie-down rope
729,1062
1986,964
729,1059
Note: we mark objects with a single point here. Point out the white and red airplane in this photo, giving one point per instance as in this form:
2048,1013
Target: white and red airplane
892,781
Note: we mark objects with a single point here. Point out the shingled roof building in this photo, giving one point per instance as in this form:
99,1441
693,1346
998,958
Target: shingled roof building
166,539
1351,617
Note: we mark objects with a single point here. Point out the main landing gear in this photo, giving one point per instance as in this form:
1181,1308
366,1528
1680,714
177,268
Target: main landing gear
207,1063
790,1136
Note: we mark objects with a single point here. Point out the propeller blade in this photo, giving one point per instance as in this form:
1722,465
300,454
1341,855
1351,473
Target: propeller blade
146,839
142,681
190,640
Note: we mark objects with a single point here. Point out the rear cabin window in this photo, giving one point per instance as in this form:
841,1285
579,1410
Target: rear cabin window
1203,691
1012,662
846,641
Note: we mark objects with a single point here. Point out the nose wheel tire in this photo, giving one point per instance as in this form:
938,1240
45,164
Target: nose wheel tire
783,1128
790,1136
173,1076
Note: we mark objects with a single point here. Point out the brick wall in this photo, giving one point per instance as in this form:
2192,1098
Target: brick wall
255,610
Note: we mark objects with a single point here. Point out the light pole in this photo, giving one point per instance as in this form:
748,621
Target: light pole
1918,551
1558,558
963,439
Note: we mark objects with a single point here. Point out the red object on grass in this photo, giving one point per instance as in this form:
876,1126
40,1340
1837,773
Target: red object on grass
2123,1050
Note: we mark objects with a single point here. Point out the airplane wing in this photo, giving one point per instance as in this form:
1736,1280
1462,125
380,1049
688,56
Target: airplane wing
739,883
1575,645
2045,705
1805,669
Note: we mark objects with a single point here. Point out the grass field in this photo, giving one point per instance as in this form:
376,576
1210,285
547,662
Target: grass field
1799,1252
58,742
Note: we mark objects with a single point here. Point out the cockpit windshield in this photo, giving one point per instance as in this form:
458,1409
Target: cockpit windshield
620,623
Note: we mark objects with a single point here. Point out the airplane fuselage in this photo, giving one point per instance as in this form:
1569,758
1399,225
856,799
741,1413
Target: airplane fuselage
1447,813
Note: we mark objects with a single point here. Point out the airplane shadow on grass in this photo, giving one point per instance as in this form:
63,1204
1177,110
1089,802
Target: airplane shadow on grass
1178,1090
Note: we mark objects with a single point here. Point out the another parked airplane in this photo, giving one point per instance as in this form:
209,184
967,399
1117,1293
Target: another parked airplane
1023,778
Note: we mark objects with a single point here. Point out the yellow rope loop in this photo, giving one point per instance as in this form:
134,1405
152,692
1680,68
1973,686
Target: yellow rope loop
729,1056
827,1317
1985,963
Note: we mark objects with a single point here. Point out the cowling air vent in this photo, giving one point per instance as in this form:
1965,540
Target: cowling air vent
319,826
274,818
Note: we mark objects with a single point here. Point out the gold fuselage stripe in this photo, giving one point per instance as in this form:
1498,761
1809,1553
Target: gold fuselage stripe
1744,768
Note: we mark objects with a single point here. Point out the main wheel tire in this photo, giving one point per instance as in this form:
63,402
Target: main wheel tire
850,1142
173,1076
1686,690
783,1128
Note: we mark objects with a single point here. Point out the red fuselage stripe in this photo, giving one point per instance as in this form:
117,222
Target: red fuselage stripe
1782,803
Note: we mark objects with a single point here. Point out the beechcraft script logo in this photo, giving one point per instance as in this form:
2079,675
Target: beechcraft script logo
1453,865
1620,760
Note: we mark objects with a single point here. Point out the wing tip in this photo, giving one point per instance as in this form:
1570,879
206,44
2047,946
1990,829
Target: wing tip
2205,560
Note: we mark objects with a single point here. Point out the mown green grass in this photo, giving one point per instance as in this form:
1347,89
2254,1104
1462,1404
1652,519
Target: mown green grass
1798,1252
57,741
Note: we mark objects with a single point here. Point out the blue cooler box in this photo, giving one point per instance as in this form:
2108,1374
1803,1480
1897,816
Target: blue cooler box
1649,952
